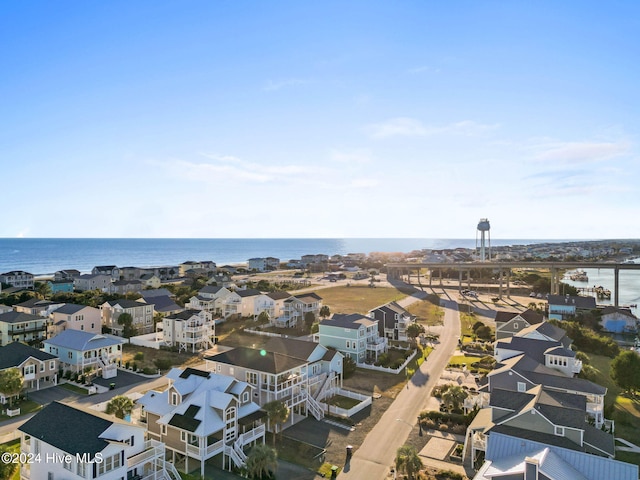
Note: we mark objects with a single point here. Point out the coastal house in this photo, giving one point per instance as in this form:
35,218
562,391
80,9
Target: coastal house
150,280
521,373
163,305
275,376
240,303
618,320
123,287
36,306
38,369
541,414
393,321
189,330
140,311
263,264
88,282
18,279
210,298
544,343
516,458
563,307
272,303
204,416
81,444
22,327
297,306
69,274
509,324
354,335
78,350
108,270
75,317
206,266
221,280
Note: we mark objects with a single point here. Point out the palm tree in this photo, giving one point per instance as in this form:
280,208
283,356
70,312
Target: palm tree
120,406
262,462
408,461
264,317
454,396
278,413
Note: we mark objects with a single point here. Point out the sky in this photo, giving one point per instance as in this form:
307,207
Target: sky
363,118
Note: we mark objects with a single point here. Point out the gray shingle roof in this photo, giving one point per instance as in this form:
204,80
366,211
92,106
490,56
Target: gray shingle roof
19,317
252,359
13,354
69,429
351,320
291,346
585,303
70,308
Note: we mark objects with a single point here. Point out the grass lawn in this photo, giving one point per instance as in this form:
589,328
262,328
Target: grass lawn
463,359
414,364
150,354
342,402
626,410
13,447
358,298
74,388
26,406
427,312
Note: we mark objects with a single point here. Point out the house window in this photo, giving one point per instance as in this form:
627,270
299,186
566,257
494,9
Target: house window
515,326
70,354
522,387
252,377
52,365
559,431
67,465
218,368
81,469
42,366
174,398
183,436
245,397
163,429
30,370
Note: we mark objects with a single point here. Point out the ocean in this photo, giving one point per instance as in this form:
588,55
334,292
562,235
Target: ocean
43,256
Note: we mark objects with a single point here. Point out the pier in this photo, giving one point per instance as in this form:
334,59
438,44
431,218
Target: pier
503,271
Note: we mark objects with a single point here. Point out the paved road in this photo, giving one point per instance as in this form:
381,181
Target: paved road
372,459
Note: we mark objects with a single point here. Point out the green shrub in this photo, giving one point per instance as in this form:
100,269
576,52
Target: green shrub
163,363
139,356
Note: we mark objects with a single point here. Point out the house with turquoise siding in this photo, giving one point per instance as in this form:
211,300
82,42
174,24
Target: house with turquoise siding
78,350
563,307
60,286
353,335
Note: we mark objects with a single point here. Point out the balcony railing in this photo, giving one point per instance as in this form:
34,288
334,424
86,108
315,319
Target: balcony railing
152,449
251,435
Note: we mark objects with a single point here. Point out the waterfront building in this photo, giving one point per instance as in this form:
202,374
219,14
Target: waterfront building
17,279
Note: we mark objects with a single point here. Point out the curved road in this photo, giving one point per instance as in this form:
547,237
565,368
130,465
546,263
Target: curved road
372,459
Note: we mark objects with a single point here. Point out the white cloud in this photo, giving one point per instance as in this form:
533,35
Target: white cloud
411,127
364,183
580,152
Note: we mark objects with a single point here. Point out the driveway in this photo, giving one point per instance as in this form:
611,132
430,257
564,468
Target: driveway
53,394
373,458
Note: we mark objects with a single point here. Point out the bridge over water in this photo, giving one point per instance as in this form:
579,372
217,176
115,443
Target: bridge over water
397,270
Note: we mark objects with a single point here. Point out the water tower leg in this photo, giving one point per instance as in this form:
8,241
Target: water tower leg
616,284
500,284
460,280
508,283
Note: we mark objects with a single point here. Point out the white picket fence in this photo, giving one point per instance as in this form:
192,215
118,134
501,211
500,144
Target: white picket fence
365,401
388,369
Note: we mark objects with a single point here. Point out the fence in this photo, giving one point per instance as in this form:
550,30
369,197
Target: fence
365,401
264,334
388,369
151,340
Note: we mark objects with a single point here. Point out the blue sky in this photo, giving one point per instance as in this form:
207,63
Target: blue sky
319,119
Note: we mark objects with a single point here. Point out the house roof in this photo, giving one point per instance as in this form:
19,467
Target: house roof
278,295
560,351
81,340
19,317
210,289
69,429
351,320
548,330
70,308
259,360
310,297
291,346
248,292
608,310
539,374
532,347
585,303
185,314
119,283
531,317
13,354
125,303
157,292
35,302
592,467
163,304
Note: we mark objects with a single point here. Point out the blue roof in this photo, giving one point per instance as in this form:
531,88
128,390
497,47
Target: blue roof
82,341
591,466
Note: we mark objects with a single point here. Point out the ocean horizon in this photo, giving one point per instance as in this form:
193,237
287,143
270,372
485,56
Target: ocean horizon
44,256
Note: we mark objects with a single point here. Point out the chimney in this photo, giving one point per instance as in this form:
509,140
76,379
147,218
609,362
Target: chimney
531,466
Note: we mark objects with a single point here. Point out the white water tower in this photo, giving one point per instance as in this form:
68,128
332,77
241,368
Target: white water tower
485,239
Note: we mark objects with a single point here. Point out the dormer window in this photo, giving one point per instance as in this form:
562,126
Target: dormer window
559,431
245,397
174,398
